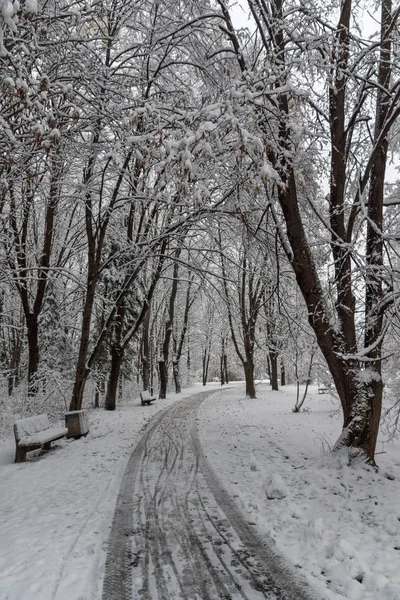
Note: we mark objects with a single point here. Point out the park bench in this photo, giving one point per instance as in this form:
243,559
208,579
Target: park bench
323,390
33,433
146,398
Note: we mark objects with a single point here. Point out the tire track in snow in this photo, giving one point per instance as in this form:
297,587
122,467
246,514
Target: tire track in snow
176,533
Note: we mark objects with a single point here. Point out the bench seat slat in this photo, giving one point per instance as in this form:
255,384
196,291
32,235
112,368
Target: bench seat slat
31,425
42,437
146,397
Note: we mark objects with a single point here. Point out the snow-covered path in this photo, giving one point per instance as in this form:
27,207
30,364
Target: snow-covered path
176,533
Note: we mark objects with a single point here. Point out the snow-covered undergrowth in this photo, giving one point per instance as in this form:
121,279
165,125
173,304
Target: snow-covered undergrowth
338,524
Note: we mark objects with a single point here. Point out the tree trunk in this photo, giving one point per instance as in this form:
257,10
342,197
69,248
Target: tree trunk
222,363
33,353
249,377
117,357
225,361
283,374
206,362
163,375
273,360
175,371
163,361
13,378
99,390
146,352
81,372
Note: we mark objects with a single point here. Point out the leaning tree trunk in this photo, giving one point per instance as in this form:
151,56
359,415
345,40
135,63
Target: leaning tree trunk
360,392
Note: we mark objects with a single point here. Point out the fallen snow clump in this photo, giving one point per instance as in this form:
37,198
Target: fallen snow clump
275,488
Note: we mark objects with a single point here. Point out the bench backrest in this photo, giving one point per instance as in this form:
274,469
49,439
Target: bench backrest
30,425
145,395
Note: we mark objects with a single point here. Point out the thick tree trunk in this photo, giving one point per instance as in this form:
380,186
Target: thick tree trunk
163,375
117,357
249,377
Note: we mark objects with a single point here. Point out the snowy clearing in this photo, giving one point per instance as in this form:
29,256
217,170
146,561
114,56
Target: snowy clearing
339,525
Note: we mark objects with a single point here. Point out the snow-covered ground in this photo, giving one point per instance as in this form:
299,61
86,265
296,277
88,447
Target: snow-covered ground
56,509
340,525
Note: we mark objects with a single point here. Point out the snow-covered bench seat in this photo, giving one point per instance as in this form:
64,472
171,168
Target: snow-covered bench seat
146,398
33,433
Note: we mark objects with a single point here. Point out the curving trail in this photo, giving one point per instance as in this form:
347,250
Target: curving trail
176,533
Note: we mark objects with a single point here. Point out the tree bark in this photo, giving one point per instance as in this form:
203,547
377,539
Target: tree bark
146,352
163,375
205,363
81,372
117,357
175,372
169,323
283,374
33,353
249,377
273,359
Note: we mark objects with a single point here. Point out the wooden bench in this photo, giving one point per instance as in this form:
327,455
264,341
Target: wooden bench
33,433
146,398
323,390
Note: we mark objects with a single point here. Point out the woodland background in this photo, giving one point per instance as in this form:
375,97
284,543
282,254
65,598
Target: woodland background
189,194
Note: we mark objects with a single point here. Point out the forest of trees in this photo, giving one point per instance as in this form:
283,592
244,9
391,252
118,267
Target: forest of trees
191,190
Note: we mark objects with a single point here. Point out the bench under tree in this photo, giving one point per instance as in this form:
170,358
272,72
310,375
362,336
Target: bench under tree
33,433
146,397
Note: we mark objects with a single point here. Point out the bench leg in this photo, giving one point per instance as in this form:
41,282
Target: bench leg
20,455
47,445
